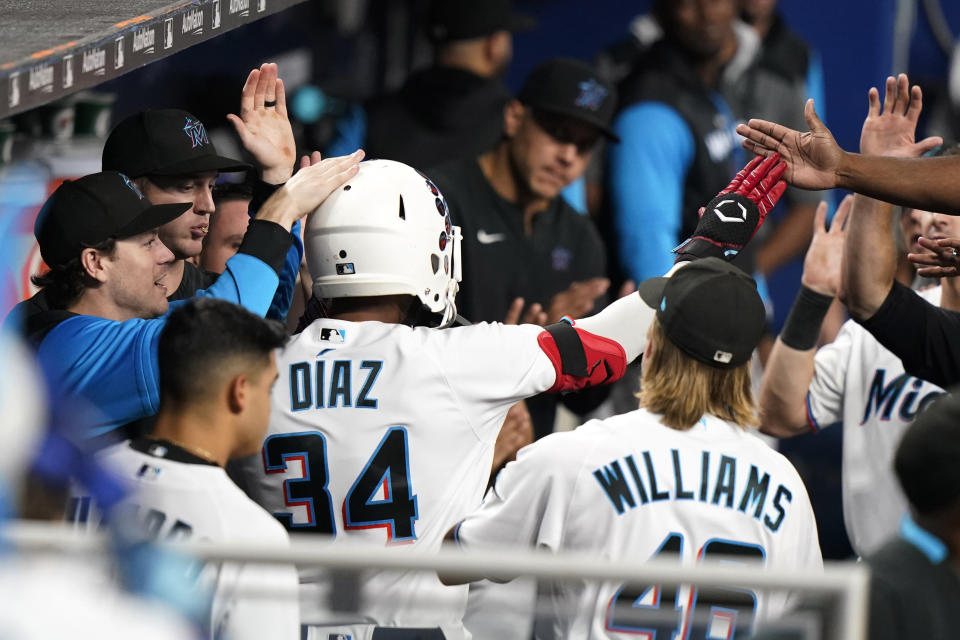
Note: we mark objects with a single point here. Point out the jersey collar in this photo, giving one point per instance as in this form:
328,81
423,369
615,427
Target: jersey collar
159,448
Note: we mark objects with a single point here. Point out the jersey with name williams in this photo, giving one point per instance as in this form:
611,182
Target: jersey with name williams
384,434
176,499
858,382
629,487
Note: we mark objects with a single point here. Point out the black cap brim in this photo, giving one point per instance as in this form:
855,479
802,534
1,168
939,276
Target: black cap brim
156,216
577,114
201,164
651,291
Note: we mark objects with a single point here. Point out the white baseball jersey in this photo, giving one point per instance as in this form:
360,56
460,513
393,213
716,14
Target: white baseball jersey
384,433
630,487
860,383
176,498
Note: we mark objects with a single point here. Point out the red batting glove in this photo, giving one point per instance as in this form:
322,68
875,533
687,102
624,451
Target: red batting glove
733,217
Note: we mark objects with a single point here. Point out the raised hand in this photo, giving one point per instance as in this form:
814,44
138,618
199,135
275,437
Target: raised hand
732,218
577,300
263,125
889,130
812,157
942,261
304,192
822,266
533,315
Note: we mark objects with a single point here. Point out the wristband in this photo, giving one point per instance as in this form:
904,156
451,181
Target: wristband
802,328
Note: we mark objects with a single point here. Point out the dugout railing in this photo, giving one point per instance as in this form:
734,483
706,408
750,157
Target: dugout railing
837,595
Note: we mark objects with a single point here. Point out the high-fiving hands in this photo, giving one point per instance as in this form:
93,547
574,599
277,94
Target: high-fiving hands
822,266
263,125
890,128
732,218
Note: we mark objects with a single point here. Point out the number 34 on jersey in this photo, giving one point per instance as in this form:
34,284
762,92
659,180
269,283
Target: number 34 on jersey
380,497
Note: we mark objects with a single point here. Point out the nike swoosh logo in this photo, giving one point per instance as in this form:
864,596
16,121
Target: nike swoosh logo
489,238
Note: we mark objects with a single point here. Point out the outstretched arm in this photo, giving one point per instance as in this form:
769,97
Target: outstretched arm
871,257
790,368
815,161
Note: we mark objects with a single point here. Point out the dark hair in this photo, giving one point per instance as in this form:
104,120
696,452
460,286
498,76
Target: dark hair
206,340
64,283
226,191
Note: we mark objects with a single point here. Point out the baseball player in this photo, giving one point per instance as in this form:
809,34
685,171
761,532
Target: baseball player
382,427
680,476
855,379
179,489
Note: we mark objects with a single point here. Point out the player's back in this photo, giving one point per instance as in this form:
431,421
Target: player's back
630,487
384,433
176,495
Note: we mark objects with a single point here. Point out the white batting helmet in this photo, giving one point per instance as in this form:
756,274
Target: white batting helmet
385,232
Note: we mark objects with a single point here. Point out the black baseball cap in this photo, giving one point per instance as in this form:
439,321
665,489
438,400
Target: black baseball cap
452,20
574,89
163,142
710,310
95,208
927,461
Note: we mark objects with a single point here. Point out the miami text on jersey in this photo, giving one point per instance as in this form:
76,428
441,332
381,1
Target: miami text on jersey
885,398
635,480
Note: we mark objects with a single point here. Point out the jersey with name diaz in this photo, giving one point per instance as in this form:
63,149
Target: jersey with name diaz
719,481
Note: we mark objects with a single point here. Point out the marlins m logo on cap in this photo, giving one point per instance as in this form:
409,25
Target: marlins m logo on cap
592,95
196,132
132,186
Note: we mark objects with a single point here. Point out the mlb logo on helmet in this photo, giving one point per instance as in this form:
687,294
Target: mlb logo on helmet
196,132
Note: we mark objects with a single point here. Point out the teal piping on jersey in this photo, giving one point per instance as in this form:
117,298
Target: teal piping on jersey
113,365
814,426
647,174
927,543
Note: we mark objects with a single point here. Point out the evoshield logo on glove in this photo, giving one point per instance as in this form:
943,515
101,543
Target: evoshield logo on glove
748,199
734,218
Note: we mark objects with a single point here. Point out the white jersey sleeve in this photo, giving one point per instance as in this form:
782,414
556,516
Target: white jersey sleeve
491,366
528,504
826,392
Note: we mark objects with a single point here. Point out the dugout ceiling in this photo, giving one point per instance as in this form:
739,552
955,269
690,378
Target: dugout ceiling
51,49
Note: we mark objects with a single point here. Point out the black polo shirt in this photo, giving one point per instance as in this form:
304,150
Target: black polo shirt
500,262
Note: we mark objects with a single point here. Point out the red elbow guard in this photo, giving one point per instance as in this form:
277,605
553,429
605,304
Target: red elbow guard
580,358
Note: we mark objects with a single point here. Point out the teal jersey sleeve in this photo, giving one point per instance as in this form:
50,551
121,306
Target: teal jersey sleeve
647,174
112,365
282,299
